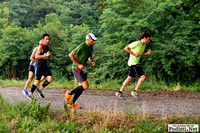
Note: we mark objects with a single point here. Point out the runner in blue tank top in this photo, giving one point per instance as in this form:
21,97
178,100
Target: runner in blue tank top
31,72
41,67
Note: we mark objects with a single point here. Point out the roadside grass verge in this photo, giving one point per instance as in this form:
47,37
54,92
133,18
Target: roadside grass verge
31,117
148,85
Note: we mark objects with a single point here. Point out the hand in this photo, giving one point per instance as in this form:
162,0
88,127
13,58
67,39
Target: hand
80,66
148,52
48,54
136,54
93,64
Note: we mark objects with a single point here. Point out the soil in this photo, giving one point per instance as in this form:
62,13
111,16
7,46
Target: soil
160,103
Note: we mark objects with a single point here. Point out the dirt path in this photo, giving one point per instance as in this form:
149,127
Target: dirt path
162,103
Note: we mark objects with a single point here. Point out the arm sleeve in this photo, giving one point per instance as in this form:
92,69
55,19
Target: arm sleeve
132,45
77,50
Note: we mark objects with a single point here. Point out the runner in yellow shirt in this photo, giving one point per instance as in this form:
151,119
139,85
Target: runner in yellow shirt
136,50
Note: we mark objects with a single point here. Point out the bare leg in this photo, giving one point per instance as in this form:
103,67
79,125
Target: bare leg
126,82
79,90
85,84
43,78
49,79
30,78
36,83
140,81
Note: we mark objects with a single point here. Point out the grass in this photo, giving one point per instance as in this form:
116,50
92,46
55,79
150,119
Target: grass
148,85
31,117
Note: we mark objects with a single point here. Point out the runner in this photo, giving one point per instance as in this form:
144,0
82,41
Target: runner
31,72
41,67
80,55
136,50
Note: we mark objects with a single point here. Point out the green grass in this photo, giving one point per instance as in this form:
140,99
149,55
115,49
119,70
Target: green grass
31,117
148,85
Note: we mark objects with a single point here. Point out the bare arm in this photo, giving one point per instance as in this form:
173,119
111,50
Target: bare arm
147,53
72,57
127,49
38,56
90,59
32,58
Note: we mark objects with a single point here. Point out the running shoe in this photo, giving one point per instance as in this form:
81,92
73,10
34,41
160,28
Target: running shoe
135,94
25,92
67,96
120,95
40,92
74,106
30,97
36,90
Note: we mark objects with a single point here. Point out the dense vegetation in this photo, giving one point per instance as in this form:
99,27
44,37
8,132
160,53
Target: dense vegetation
174,26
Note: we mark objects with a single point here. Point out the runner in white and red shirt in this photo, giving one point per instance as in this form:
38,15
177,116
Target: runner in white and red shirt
31,71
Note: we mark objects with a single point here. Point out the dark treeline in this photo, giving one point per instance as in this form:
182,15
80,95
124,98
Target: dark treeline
173,24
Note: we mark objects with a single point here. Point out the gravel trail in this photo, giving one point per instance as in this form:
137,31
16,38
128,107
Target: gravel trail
161,103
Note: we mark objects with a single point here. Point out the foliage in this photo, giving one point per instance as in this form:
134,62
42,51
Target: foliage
74,12
177,49
14,45
174,26
175,45
149,85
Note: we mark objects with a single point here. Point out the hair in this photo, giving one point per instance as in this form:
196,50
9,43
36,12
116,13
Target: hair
45,34
146,35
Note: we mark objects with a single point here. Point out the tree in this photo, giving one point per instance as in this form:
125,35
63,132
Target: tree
121,24
76,12
14,48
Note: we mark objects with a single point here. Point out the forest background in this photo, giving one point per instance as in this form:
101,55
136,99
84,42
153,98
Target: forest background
173,24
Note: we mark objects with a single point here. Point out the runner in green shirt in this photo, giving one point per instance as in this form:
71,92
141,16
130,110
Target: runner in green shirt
136,50
83,52
80,56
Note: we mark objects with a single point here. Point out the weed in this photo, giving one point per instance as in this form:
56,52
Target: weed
31,117
150,84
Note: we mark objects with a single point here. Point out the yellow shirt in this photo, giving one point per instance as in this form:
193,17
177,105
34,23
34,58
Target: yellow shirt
135,47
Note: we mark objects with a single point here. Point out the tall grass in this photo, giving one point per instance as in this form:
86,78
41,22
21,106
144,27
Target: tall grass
31,117
148,85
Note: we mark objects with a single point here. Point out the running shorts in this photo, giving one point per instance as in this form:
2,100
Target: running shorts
31,68
40,71
135,69
80,75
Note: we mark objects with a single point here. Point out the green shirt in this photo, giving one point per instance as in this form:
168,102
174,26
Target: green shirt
83,52
135,47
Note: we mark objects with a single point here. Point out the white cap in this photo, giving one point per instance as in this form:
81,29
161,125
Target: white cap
91,36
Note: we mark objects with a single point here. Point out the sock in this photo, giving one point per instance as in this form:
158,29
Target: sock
75,90
45,83
134,90
33,87
120,91
77,94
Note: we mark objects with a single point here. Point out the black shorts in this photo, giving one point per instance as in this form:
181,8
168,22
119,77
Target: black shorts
135,69
41,71
31,68
80,75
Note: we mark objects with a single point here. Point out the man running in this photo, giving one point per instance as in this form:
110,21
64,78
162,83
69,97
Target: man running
41,67
136,50
31,72
80,55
